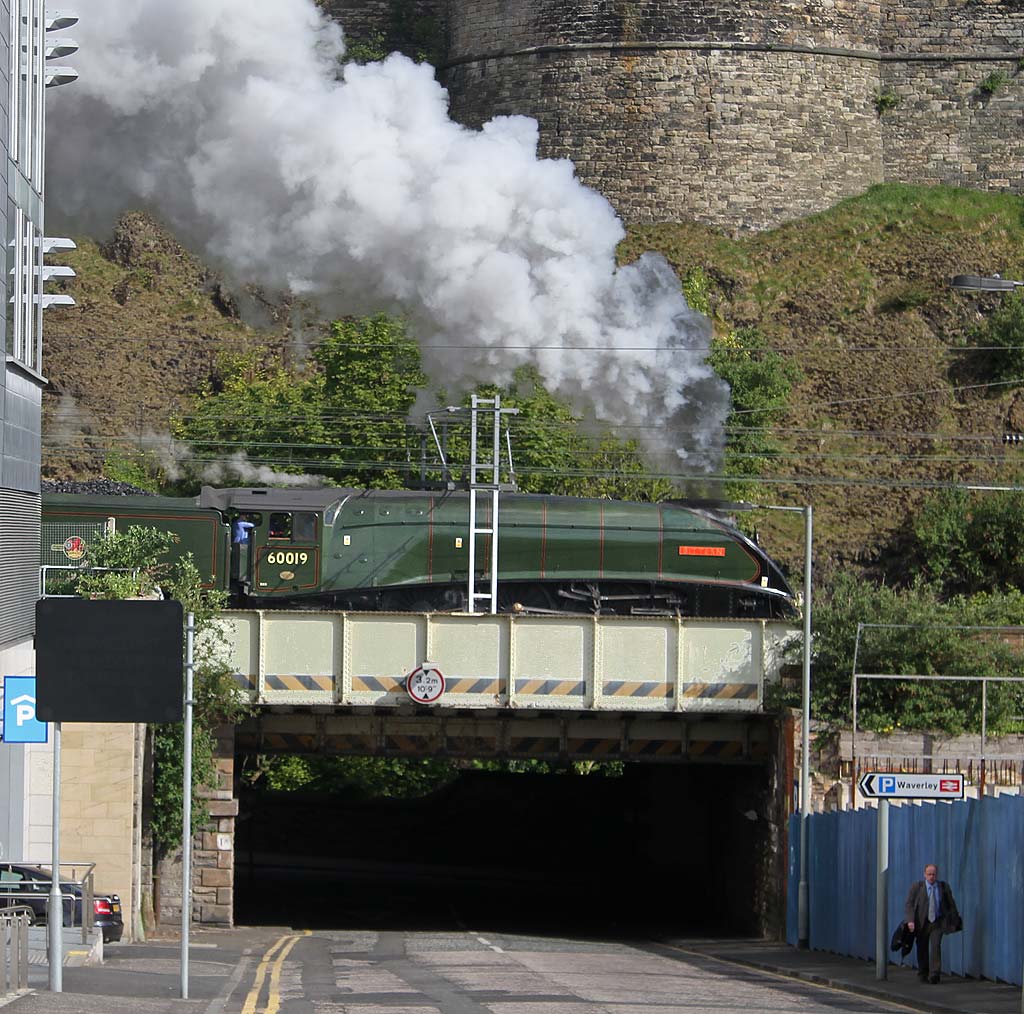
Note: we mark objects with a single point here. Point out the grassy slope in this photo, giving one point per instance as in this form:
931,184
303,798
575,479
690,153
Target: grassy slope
144,335
857,296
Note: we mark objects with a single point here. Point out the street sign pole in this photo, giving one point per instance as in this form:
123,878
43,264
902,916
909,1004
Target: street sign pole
55,905
186,807
803,899
882,890
883,786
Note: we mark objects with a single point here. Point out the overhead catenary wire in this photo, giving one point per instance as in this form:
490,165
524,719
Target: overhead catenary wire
260,343
412,466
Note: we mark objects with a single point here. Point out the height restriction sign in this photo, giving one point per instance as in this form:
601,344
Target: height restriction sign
425,684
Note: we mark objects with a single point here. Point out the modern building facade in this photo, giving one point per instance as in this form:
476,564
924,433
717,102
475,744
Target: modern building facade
32,45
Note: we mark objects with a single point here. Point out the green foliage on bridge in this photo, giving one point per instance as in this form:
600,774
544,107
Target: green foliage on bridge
131,564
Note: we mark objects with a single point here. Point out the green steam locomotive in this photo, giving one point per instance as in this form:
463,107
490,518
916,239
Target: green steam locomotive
409,551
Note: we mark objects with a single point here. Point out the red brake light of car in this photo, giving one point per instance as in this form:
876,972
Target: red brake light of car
101,906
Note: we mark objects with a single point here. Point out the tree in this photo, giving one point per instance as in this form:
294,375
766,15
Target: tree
760,381
969,542
923,635
345,417
1002,335
342,417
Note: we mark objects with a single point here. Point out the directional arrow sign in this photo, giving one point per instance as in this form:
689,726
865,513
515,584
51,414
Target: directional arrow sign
893,785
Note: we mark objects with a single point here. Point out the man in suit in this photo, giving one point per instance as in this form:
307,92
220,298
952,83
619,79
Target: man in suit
930,911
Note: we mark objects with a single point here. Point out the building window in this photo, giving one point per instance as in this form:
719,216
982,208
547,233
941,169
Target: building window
27,69
24,296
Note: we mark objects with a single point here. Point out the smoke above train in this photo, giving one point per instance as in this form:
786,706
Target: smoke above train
241,126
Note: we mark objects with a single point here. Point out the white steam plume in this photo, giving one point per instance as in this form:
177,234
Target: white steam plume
232,120
178,459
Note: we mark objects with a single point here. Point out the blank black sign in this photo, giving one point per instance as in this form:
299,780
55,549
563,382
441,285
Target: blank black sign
99,661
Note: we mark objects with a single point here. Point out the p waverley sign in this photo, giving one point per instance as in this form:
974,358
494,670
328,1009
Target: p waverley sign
893,785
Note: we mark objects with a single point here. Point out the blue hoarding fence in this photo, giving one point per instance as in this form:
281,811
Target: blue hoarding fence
978,846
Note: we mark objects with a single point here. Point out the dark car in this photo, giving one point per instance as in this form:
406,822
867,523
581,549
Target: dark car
30,885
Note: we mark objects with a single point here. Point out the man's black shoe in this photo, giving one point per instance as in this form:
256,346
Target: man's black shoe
934,980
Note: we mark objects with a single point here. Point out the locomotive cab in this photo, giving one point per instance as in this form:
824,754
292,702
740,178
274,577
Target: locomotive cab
277,539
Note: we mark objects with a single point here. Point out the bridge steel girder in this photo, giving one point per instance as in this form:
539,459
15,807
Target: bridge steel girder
660,739
569,664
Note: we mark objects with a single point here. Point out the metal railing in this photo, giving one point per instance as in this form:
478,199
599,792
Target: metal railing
45,573
14,924
39,889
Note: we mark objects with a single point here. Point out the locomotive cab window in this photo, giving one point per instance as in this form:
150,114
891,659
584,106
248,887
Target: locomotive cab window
300,527
304,528
280,526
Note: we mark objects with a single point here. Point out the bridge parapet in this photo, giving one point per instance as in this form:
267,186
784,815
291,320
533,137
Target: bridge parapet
564,663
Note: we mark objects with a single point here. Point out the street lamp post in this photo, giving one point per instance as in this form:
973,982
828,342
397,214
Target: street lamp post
803,909
987,283
984,283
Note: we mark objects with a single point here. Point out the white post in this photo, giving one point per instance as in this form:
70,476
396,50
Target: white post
186,809
55,904
882,889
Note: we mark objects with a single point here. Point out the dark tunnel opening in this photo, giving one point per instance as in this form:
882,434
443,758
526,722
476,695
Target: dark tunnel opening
657,849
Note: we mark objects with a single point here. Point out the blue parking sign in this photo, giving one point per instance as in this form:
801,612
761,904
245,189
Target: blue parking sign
20,722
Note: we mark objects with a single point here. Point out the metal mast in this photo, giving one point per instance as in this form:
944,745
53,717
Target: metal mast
484,480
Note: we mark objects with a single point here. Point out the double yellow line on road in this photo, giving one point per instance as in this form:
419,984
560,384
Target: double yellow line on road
273,959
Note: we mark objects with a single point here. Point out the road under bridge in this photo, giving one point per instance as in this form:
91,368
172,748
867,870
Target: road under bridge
655,693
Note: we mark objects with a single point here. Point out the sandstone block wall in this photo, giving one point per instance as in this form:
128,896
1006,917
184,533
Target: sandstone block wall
213,853
97,799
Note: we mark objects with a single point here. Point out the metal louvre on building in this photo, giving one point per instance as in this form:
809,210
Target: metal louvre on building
19,564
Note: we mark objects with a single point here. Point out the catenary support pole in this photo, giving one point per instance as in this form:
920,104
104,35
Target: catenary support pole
882,890
55,904
803,917
186,807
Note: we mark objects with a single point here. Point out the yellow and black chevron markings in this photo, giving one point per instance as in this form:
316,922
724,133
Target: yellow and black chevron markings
279,742
346,743
720,749
593,747
397,743
472,685
655,748
637,688
245,680
396,685
378,684
278,681
721,691
551,688
471,746
534,746
272,961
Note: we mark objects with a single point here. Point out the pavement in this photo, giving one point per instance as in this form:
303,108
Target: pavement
953,995
145,978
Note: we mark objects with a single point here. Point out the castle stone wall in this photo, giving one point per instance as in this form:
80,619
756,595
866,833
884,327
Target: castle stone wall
741,139
736,114
947,128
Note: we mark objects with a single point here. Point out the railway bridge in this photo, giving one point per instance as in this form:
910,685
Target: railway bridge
702,796
558,687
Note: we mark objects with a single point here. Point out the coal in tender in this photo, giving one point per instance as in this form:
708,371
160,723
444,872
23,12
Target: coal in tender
94,487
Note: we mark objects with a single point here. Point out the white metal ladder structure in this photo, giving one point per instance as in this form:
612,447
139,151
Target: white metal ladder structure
491,487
